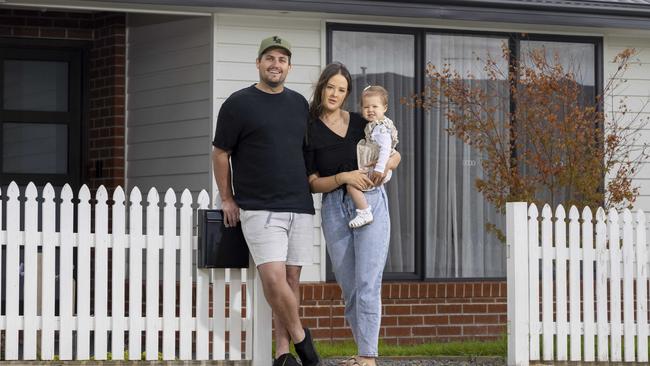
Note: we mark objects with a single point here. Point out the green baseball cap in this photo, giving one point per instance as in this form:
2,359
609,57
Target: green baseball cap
274,42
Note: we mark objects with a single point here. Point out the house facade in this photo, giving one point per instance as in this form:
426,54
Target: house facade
127,93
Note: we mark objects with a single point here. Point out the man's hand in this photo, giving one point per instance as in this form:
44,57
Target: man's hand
230,212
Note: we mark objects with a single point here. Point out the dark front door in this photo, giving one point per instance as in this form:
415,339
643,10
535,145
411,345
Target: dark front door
40,114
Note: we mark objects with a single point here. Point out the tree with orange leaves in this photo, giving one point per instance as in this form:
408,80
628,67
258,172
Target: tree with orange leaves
545,141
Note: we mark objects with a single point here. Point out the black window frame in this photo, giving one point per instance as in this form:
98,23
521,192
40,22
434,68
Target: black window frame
76,53
420,34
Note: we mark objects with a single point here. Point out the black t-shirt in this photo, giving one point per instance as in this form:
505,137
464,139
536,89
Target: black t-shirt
327,153
264,133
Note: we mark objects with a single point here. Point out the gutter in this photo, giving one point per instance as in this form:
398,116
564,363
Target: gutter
589,13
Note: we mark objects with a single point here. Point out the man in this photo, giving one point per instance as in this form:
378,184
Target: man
260,129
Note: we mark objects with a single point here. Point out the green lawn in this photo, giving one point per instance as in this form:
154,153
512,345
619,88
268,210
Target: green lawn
464,348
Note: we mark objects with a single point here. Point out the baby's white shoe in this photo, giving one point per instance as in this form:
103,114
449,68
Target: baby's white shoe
364,217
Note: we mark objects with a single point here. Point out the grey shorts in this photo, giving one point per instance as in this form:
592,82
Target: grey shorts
278,236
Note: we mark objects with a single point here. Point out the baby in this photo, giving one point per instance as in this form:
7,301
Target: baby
379,144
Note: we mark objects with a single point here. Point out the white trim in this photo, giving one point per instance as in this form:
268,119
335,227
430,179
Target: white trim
105,6
213,106
323,43
323,248
484,26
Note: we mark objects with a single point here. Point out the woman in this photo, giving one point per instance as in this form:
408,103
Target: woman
358,255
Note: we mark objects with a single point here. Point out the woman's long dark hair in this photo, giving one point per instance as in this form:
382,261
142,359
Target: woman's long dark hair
316,105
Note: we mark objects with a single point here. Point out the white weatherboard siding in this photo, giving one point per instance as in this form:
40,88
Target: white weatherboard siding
168,102
635,93
237,39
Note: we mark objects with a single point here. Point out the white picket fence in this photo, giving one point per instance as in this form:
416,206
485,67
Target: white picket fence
593,279
41,333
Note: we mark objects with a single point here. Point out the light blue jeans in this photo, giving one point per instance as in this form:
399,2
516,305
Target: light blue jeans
358,259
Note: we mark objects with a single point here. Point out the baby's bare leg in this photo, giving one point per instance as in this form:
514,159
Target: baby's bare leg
357,197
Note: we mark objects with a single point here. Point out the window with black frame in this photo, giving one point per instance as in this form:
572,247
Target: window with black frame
40,115
386,59
437,216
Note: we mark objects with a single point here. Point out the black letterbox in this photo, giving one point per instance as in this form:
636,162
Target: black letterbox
220,246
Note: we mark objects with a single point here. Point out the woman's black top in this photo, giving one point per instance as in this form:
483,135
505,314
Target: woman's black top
327,153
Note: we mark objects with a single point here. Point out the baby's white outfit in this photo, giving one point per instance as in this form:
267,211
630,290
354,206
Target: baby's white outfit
379,145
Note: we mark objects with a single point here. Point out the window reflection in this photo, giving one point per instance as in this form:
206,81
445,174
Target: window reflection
35,85
34,148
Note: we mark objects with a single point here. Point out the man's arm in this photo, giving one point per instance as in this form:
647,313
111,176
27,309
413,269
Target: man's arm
221,168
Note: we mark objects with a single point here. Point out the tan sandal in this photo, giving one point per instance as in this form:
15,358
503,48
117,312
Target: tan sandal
350,361
360,363
363,363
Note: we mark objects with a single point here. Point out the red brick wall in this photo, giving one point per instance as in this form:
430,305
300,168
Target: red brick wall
103,127
107,94
415,312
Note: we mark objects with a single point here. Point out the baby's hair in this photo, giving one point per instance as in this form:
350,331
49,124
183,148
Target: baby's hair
373,91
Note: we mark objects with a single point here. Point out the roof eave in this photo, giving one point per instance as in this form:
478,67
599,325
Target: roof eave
509,11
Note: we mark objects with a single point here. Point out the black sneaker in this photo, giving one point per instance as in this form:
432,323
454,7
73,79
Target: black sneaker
286,359
306,351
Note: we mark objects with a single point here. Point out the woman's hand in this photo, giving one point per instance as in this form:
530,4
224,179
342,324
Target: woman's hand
356,178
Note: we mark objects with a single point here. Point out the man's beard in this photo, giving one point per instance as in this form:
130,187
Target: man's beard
274,84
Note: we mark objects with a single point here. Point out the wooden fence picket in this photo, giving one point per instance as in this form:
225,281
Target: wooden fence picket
614,285
118,259
169,277
12,290
602,261
534,280
48,274
234,315
250,278
202,298
588,284
547,277
66,281
641,271
629,333
185,298
152,279
574,285
83,274
95,247
101,275
136,244
561,325
218,314
30,274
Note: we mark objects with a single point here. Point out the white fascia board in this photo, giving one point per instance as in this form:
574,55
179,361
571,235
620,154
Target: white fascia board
80,5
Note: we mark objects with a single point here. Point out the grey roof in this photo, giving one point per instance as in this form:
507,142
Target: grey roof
594,13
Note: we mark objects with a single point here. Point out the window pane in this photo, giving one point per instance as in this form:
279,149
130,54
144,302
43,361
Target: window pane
575,57
457,244
388,60
34,148
35,85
